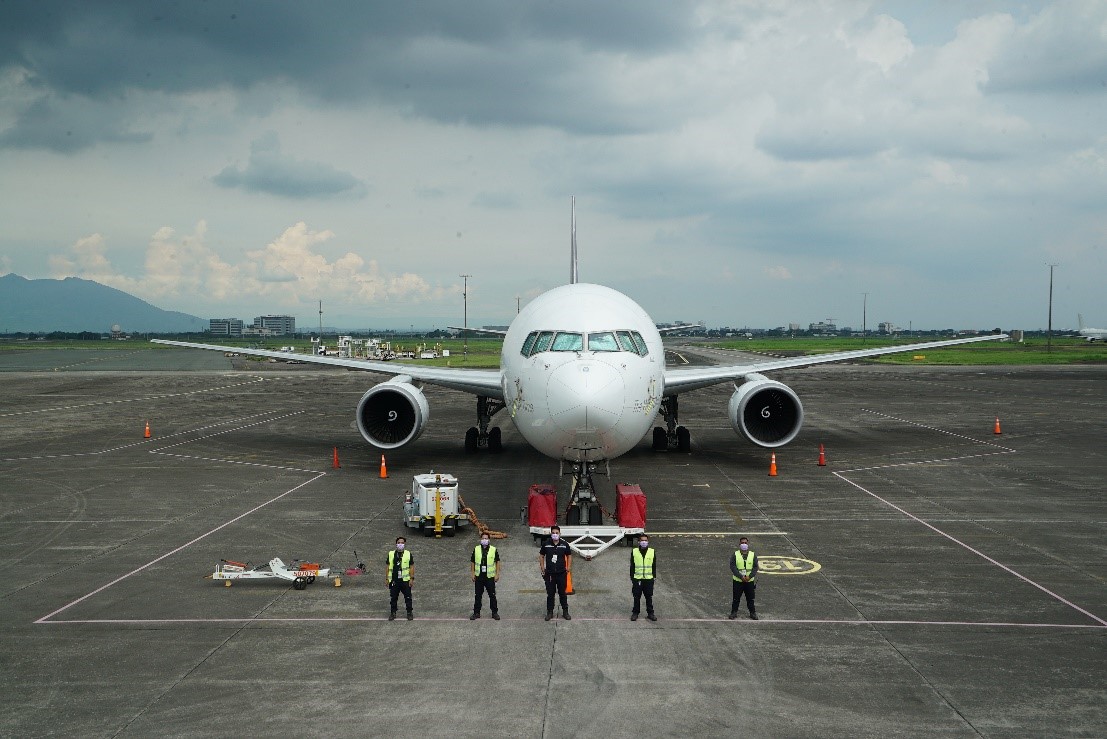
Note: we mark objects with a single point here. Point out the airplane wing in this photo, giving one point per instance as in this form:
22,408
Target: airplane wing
477,382
486,331
682,327
682,380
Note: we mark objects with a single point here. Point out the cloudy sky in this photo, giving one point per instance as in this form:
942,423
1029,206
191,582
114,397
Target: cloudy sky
738,163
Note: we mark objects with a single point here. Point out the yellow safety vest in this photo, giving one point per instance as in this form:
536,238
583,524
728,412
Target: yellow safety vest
643,564
405,565
745,567
490,562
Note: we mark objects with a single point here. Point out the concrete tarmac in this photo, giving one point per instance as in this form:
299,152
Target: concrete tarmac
934,579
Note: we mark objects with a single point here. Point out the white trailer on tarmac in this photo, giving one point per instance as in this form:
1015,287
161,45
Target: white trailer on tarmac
434,505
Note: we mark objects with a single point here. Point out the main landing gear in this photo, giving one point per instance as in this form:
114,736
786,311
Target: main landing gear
672,436
480,436
584,506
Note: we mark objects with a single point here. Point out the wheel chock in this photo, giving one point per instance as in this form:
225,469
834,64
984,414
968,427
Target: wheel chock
226,583
338,582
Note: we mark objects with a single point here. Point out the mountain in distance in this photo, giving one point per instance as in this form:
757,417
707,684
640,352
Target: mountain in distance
75,305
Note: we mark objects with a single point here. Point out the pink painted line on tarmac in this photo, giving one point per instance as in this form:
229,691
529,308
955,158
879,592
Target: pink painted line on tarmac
720,619
153,562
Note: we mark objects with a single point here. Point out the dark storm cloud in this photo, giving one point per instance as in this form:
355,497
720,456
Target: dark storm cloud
271,172
495,62
66,125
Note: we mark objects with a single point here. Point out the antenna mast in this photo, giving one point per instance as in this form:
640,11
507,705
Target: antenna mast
573,254
320,319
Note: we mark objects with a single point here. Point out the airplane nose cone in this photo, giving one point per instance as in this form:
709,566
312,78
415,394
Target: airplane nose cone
586,397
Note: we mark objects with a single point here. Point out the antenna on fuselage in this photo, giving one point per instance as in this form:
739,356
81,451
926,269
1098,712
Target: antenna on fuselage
573,253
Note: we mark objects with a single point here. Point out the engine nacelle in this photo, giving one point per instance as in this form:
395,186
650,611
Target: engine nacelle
766,412
392,414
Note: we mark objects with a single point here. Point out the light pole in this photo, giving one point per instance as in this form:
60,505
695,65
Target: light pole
864,315
1049,329
465,324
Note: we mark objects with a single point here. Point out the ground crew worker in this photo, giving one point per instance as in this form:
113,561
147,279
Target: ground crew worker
743,569
485,568
554,559
643,570
399,577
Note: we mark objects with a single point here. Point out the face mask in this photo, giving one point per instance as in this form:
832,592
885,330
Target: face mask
644,544
400,547
744,547
484,542
555,537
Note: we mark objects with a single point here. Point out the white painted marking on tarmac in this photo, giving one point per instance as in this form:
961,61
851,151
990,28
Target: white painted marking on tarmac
132,400
45,619
975,551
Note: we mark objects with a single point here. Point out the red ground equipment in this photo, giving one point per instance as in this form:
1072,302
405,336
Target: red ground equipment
542,505
630,506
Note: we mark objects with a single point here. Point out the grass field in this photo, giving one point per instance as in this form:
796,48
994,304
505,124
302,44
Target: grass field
1034,351
484,353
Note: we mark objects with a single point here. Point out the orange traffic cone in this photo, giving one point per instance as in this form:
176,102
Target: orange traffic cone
772,466
147,434
822,456
336,465
997,431
384,468
568,582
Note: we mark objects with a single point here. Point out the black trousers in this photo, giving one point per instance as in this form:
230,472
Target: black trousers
638,588
740,587
482,583
394,589
555,581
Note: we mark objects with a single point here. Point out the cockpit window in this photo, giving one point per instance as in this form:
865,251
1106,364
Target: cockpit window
529,343
567,342
602,341
543,343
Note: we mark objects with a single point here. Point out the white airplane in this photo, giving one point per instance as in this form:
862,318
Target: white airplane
1091,334
582,376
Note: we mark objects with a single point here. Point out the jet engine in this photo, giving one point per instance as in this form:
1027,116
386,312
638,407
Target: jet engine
766,412
393,413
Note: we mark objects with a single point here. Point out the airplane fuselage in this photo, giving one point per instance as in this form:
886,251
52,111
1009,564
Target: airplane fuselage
583,372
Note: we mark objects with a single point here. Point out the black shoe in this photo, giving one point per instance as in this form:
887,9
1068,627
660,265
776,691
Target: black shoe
549,615
733,615
496,616
475,616
753,616
565,615
651,617
634,617
410,615
392,616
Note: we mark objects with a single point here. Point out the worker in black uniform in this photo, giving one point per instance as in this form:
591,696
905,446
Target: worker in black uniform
643,570
485,567
399,577
554,559
743,570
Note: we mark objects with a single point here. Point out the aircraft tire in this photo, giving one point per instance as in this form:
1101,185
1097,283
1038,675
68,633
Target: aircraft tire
471,440
660,443
572,517
684,439
595,516
495,440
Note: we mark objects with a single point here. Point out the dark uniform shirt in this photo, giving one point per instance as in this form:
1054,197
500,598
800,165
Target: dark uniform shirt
555,555
483,559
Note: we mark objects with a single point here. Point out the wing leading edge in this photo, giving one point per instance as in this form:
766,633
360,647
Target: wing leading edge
478,382
682,380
